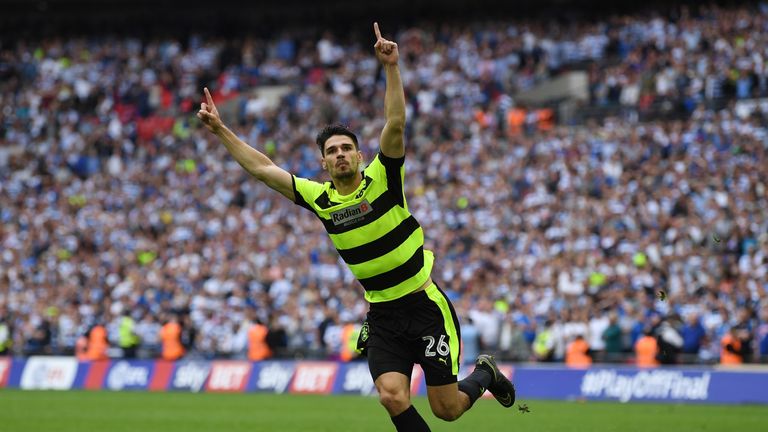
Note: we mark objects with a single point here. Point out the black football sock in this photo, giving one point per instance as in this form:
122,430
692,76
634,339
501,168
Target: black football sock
410,421
475,384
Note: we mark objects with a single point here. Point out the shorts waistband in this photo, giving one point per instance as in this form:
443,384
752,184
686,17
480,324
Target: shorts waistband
408,300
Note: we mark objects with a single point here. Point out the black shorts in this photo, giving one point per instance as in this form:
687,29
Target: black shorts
419,328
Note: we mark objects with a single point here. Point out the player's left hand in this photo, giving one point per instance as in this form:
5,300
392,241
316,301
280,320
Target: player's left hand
386,50
208,113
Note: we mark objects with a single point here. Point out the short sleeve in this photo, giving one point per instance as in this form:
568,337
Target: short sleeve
306,192
395,168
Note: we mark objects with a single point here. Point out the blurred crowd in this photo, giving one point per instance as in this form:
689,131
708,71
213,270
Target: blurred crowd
127,230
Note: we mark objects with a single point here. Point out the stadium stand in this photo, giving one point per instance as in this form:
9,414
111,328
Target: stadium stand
550,223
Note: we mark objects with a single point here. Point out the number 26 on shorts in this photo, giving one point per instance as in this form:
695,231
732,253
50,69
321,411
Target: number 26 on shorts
442,346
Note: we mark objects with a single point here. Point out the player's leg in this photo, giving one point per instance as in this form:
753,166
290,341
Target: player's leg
394,392
450,401
447,401
440,361
391,366
437,346
394,388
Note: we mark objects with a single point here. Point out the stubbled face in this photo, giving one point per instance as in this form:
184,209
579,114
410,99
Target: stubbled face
341,159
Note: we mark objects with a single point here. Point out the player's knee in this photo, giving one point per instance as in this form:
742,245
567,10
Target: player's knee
394,400
447,413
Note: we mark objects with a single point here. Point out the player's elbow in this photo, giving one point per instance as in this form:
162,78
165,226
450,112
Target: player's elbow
396,124
256,172
259,169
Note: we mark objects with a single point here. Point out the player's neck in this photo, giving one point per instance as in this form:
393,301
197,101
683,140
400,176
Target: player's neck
346,186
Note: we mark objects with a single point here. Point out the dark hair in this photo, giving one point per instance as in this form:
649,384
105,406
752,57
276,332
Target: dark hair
331,130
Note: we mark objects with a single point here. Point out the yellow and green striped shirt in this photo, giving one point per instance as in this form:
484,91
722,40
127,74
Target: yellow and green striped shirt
372,229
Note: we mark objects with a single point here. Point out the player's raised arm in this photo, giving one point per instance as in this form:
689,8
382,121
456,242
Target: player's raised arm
256,163
394,98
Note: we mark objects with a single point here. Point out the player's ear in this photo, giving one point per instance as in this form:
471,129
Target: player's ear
323,164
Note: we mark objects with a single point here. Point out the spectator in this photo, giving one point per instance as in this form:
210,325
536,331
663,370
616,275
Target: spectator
577,353
669,341
470,340
349,335
731,352
613,339
148,332
128,339
277,339
97,343
514,344
544,344
762,335
189,339
693,334
257,342
39,341
170,337
744,332
646,350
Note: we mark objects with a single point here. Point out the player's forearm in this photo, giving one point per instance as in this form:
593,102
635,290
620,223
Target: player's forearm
249,158
394,98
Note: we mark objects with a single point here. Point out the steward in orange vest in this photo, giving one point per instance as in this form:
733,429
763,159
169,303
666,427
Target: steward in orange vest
731,349
170,335
516,121
646,349
257,342
545,119
577,353
349,334
97,343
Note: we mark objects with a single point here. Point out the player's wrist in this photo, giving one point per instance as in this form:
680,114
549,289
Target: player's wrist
218,128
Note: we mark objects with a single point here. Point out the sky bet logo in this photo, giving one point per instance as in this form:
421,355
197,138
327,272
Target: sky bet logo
351,214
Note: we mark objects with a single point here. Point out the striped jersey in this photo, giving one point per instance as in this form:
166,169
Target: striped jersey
372,229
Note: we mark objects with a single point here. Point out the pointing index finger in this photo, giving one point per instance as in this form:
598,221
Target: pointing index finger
376,30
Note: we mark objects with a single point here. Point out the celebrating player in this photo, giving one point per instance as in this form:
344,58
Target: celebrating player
366,215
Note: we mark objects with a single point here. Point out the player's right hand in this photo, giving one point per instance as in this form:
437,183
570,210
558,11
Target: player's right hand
386,50
208,113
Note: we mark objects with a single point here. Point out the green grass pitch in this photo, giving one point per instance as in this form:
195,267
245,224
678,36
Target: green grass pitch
79,411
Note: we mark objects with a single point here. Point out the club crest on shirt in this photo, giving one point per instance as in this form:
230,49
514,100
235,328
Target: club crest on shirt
351,214
367,183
